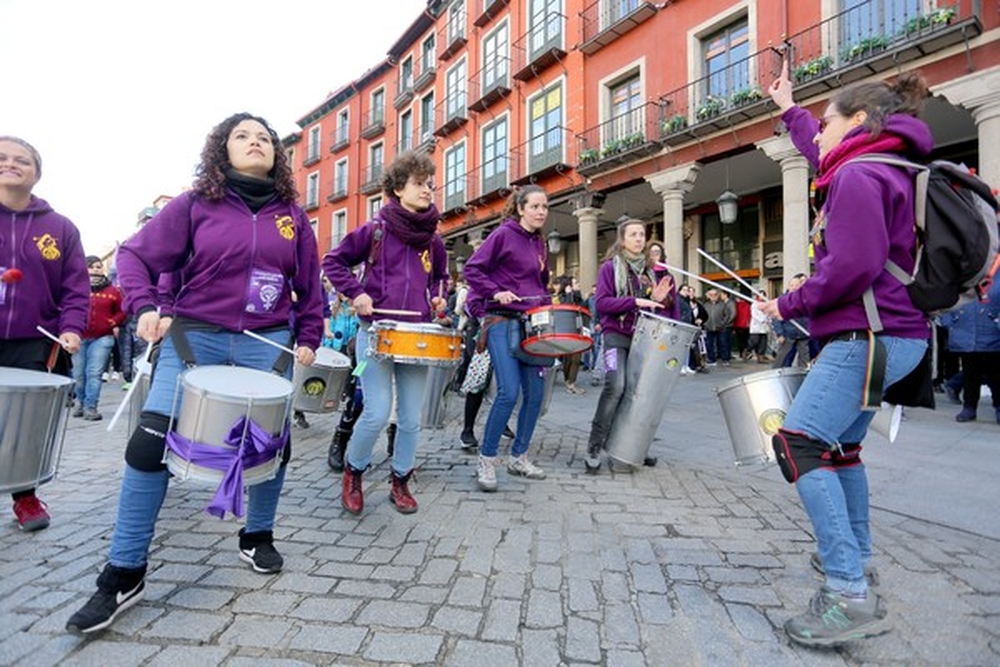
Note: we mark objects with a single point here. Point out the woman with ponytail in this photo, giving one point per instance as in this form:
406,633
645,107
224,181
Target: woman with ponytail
866,218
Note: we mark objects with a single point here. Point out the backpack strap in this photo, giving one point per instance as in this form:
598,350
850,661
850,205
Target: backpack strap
374,250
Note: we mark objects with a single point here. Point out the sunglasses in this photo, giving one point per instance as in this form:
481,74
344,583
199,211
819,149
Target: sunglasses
824,121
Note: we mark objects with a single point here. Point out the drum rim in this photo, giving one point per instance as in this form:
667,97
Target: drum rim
742,380
557,337
663,318
558,306
415,327
288,387
55,380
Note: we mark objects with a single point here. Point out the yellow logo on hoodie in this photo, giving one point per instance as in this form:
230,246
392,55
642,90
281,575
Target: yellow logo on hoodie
425,259
48,246
286,227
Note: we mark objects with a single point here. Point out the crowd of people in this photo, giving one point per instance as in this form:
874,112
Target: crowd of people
192,283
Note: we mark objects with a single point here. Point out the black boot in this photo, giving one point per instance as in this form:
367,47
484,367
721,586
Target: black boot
390,433
118,588
338,445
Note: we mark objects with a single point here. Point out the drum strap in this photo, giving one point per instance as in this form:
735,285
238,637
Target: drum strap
871,398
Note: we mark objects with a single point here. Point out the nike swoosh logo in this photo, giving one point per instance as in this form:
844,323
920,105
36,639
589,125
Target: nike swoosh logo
122,596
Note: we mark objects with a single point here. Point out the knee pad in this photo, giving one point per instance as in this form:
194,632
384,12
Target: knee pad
848,455
798,454
145,448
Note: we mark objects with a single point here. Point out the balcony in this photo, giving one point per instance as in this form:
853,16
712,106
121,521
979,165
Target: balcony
371,181
541,47
455,194
625,138
491,9
450,115
452,36
426,142
404,94
489,85
338,190
540,157
866,40
374,124
425,76
339,139
312,157
603,22
490,181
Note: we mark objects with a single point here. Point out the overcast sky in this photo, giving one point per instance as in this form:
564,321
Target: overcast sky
119,95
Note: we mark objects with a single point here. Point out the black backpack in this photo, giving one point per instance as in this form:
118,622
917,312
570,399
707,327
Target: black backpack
957,235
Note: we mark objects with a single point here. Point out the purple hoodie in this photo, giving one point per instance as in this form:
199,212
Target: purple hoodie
233,267
54,291
869,217
511,259
400,278
619,314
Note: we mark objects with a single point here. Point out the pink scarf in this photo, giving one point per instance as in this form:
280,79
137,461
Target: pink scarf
848,149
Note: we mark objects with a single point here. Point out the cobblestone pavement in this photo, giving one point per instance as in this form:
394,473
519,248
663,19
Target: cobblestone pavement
693,562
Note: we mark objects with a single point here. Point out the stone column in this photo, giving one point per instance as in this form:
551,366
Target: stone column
587,217
795,197
672,184
980,94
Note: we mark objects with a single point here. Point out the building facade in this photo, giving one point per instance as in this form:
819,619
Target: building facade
645,109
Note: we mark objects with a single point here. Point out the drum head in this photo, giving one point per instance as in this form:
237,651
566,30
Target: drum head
331,358
26,380
237,381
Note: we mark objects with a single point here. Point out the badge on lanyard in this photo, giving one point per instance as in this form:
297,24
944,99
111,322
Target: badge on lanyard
264,291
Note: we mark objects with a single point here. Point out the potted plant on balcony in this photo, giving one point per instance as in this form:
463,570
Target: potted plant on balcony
746,96
675,123
710,108
633,140
939,17
866,47
812,69
589,156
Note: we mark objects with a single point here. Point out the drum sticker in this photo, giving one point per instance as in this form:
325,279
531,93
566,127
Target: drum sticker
611,359
314,387
541,318
263,292
771,420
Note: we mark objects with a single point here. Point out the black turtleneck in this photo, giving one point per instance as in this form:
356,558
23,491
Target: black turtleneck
255,192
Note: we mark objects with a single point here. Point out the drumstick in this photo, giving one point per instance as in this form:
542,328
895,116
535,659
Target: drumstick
48,334
390,311
717,286
143,368
732,273
269,342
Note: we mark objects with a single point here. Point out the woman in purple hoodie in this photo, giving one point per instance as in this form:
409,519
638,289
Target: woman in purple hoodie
405,268
867,217
44,283
236,246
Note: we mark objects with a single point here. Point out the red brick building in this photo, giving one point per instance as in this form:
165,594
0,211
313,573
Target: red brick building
645,109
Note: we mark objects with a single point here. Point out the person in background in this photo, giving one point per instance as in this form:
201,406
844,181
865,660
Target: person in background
236,246
792,336
107,314
974,335
569,294
866,218
760,328
43,283
508,275
741,327
405,268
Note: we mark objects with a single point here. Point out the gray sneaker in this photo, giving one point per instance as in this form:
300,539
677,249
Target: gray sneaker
486,473
871,574
92,415
834,619
525,468
77,409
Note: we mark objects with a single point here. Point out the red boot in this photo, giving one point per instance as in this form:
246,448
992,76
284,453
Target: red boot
351,494
399,494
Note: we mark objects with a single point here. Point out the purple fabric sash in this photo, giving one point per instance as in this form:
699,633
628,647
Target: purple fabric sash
257,448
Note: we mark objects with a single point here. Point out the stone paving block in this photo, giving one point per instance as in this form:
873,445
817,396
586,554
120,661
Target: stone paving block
365,589
648,578
583,640
582,596
394,614
326,609
189,625
411,648
15,646
539,648
732,575
256,631
432,595
544,609
467,592
394,573
508,585
438,571
303,583
411,554
624,658
620,625
111,654
232,577
454,620
753,595
265,602
200,597
549,577
240,661
343,640
202,656
469,653
548,551
183,572
750,623
654,608
503,618
614,587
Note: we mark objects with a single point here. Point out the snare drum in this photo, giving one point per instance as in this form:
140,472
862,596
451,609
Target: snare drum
754,408
213,400
409,343
317,388
33,419
555,331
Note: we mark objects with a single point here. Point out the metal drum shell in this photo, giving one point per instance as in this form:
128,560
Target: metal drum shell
556,330
413,343
754,408
213,398
435,403
33,417
658,350
317,388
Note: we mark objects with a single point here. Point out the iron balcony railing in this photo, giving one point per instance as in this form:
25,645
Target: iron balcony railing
631,134
490,180
340,139
603,22
374,123
542,155
540,47
371,181
490,84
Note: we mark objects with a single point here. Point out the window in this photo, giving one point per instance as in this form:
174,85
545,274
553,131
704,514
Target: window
343,127
546,26
406,131
727,62
339,228
314,223
495,59
340,178
427,117
495,156
546,134
626,108
864,20
455,91
374,206
736,245
456,21
378,106
312,190
376,157
406,75
613,11
313,150
454,177
427,59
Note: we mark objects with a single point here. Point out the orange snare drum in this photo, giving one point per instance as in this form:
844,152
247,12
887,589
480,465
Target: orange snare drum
409,343
553,331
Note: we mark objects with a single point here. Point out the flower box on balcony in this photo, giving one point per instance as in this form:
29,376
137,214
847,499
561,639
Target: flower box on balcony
589,156
675,123
746,96
866,47
710,108
814,68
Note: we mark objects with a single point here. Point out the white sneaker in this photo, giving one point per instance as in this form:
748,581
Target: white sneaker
105,377
115,376
486,473
686,370
525,468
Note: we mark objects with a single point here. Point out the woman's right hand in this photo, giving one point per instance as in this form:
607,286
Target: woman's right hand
781,89
363,305
506,297
648,303
148,327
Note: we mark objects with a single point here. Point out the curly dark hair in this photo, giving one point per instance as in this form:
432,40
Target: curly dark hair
406,164
210,175
879,99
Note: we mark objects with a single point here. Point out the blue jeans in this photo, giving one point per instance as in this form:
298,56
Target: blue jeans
828,408
88,365
376,382
142,493
512,376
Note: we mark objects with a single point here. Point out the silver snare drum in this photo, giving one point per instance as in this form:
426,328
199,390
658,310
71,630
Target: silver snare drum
33,419
754,408
317,387
213,399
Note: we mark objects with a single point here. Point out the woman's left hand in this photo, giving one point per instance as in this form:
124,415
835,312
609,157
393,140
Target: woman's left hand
305,356
770,308
439,304
663,288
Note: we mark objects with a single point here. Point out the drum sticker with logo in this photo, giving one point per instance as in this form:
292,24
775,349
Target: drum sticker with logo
771,420
315,386
541,319
264,290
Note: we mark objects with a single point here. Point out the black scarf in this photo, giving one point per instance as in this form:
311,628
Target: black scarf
255,192
97,283
415,229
